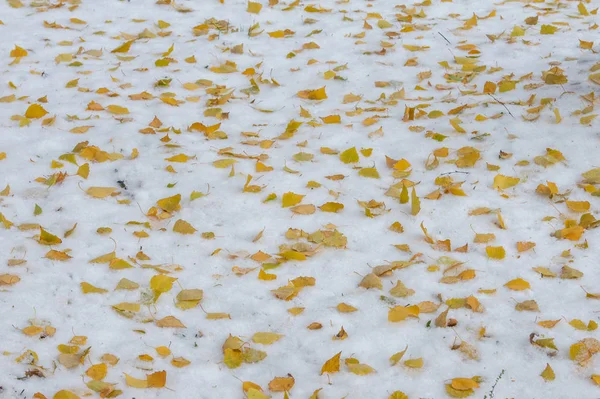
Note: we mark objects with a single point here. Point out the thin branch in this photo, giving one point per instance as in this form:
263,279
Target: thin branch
439,33
501,103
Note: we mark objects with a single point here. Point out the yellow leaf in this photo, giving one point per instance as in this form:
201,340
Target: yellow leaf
349,156
351,98
80,129
97,371
180,362
414,363
290,199
281,384
125,284
400,313
227,67
502,182
254,393
412,47
119,264
162,283
396,357
35,111
548,29
32,330
163,351
87,288
523,246
84,170
332,365
64,394
578,324
495,252
217,316
507,85
578,206
117,109
331,119
586,120
371,280
253,7
232,358
135,382
517,31
398,395
369,172
318,94
360,369
548,373
331,207
181,158
190,295
415,203
307,209
57,255
266,338
464,384
401,165
183,227
596,378
123,48
127,307
517,284
455,393
223,163
548,323
345,308
18,52
489,87
572,233
169,204
106,258
48,239
169,322
100,192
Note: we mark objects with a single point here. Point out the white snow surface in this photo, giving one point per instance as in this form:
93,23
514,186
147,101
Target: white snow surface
49,292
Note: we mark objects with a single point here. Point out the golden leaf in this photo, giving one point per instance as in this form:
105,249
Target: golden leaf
290,199
183,227
169,322
495,252
332,365
123,48
47,238
517,284
349,156
35,111
318,94
97,371
281,384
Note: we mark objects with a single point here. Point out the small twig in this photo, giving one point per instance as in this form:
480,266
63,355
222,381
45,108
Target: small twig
456,171
494,386
501,103
439,33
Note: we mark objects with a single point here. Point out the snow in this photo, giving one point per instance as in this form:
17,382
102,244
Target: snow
49,291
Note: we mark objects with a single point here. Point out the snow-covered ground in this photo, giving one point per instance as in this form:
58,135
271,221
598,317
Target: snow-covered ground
343,177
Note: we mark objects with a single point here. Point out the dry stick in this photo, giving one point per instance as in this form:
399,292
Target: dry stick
504,105
439,33
494,386
456,171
